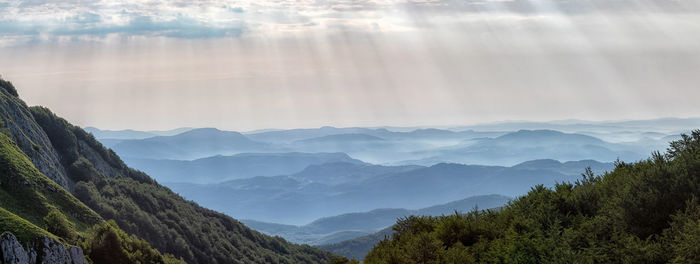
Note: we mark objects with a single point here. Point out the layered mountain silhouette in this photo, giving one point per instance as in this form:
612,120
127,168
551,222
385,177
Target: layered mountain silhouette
334,229
338,188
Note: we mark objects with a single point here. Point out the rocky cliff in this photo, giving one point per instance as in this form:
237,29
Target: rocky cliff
17,121
44,250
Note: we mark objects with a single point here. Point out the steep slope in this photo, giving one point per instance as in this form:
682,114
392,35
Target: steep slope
108,189
30,195
31,139
40,221
141,206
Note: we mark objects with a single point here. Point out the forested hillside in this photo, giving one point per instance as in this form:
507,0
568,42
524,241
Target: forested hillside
107,189
644,212
45,218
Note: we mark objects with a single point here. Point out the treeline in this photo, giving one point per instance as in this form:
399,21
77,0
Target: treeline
644,212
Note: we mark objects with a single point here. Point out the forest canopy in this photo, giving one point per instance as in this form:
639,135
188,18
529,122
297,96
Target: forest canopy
643,212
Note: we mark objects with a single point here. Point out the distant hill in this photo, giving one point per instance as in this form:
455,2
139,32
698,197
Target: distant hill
303,197
132,134
524,145
118,134
357,248
340,138
347,226
223,168
663,125
196,143
568,168
334,173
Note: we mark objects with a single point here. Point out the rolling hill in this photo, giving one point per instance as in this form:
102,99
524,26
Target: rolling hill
524,145
317,192
245,165
333,229
195,143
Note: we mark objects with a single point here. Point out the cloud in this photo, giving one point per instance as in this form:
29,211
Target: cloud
56,19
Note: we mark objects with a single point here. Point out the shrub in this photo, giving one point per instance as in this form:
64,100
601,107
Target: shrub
58,224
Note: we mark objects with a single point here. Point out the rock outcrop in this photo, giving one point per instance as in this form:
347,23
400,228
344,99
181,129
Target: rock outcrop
45,251
31,138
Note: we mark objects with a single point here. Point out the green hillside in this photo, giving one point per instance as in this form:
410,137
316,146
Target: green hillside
644,212
33,206
30,195
90,183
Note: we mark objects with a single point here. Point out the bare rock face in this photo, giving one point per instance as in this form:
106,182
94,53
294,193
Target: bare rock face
12,251
31,138
77,255
53,252
97,161
49,251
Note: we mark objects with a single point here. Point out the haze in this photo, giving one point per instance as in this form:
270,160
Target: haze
257,64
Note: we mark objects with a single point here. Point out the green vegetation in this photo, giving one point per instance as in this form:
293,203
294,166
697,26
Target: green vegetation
65,137
24,230
108,244
644,212
142,207
58,224
29,201
33,206
8,87
26,192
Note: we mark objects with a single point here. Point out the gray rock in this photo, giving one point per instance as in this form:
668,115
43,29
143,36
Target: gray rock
49,251
16,117
77,255
53,252
12,251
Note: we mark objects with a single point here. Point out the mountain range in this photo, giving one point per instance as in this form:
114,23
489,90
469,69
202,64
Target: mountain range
329,230
337,188
239,166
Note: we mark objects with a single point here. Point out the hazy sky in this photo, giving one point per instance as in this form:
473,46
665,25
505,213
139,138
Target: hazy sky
257,64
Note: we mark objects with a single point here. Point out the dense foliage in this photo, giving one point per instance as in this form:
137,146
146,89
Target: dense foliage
32,206
106,244
644,212
58,224
27,193
8,86
142,207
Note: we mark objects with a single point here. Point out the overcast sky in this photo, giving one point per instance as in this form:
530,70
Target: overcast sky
246,65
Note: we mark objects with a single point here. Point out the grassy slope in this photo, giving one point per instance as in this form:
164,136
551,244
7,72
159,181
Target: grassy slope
24,230
31,195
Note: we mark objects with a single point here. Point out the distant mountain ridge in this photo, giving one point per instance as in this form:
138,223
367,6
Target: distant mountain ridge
325,230
132,134
195,143
523,145
245,165
318,192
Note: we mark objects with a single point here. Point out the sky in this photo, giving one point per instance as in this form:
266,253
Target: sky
245,65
